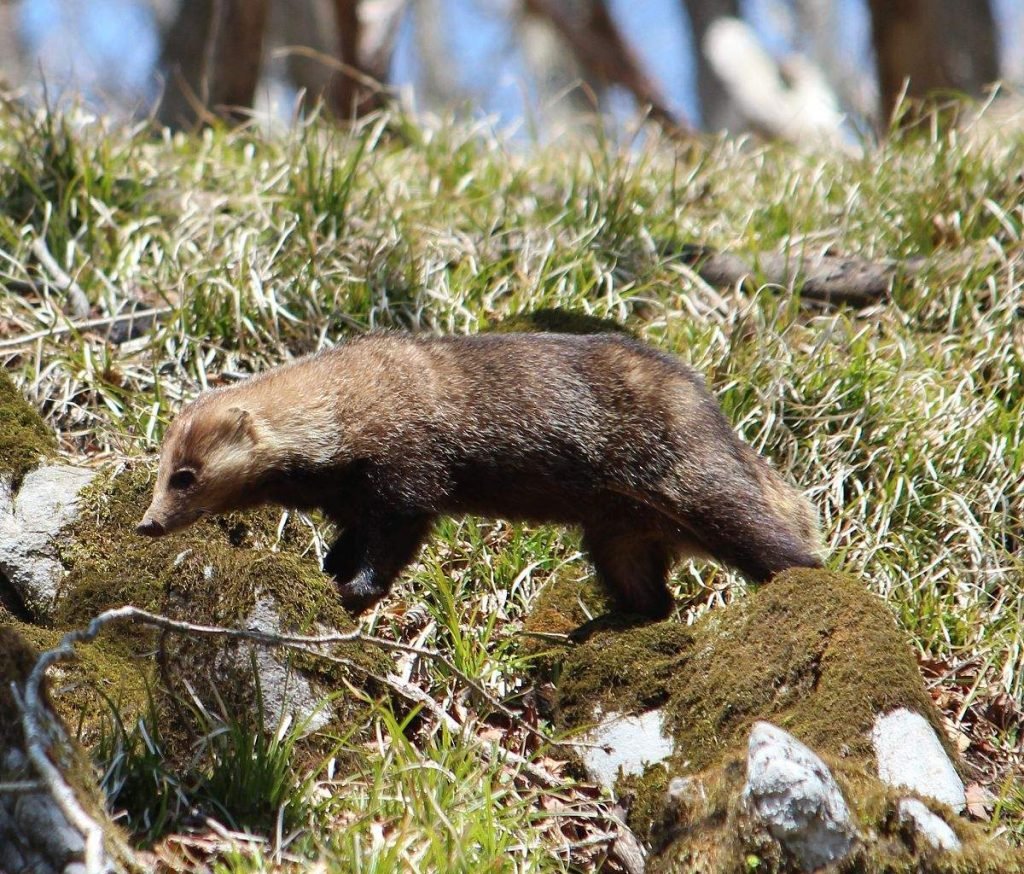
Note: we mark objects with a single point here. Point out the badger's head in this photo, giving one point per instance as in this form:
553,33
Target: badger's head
209,463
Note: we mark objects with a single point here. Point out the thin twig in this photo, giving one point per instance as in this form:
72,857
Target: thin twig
543,778
21,787
78,326
77,298
356,635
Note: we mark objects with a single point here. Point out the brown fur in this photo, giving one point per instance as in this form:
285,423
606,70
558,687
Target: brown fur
387,432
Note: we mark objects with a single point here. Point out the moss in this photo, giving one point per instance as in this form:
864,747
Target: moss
558,320
214,572
813,652
109,564
561,607
104,673
24,437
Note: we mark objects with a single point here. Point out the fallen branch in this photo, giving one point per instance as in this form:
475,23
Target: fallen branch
826,278
313,644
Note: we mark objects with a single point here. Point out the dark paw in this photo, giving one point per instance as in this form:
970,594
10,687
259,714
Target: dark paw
344,559
359,594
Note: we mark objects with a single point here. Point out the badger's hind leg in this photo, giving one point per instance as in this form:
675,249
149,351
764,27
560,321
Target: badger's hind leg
634,565
366,558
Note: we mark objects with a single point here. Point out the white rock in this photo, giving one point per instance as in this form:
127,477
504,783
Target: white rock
931,827
626,743
29,522
793,792
909,754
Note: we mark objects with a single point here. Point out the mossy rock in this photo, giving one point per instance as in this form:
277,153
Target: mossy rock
25,438
103,677
220,571
814,653
711,832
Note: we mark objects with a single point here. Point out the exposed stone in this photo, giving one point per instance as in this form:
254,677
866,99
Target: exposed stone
285,691
793,792
30,520
909,754
626,744
929,825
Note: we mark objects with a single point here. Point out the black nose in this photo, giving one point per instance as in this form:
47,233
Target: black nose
150,527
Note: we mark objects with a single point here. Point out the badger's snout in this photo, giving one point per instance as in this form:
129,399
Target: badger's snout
150,528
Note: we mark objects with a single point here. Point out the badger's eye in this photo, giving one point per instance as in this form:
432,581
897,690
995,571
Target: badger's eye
182,479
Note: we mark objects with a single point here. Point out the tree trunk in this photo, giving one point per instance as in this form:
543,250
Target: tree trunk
717,109
181,62
352,92
604,53
211,56
236,55
932,46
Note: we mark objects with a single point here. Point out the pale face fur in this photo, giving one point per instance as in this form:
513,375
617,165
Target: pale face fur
210,460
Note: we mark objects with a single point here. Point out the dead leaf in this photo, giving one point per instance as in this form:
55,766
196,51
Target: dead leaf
979,801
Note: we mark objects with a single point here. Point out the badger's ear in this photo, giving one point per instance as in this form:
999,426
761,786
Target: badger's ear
241,425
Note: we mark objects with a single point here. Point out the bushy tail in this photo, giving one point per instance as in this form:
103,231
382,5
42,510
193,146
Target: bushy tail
747,516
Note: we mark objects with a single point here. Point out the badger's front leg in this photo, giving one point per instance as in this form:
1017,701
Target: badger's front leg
367,557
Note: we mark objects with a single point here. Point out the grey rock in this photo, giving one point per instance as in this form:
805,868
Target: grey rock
909,754
625,743
39,816
930,826
286,693
34,833
30,520
794,794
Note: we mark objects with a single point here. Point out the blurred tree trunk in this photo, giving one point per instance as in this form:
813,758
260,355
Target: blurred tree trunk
603,51
236,54
12,55
347,96
337,50
568,96
366,32
716,106
182,55
934,46
211,57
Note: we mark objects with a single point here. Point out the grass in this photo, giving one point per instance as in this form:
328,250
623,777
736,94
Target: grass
903,421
